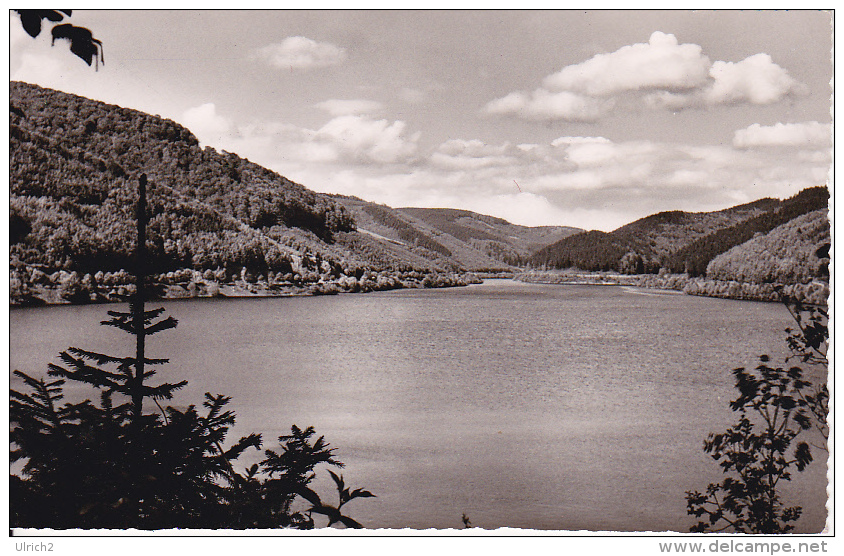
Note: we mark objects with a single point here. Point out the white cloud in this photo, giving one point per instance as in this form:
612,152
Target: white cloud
527,209
350,139
35,60
804,134
542,105
412,96
661,73
446,161
473,148
301,53
591,154
662,63
337,107
564,141
687,177
756,79
364,139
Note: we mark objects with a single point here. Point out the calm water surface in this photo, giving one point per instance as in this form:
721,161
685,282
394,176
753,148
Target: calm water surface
520,405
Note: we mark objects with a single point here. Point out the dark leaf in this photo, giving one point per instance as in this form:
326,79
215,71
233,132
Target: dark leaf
82,42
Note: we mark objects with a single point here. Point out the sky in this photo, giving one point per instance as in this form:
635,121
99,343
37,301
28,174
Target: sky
574,118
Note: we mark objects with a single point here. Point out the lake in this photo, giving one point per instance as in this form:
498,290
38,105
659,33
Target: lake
520,405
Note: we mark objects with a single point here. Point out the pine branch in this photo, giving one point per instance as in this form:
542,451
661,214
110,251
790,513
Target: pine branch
165,324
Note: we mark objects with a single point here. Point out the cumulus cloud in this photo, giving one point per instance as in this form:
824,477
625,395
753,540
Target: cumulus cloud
364,139
804,134
337,107
459,154
662,73
543,105
756,79
592,184
661,63
526,209
472,147
350,139
301,53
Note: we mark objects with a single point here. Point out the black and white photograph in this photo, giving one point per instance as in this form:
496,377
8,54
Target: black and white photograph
455,272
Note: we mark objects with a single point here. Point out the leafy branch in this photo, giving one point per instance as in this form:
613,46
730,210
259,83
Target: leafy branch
775,405
82,41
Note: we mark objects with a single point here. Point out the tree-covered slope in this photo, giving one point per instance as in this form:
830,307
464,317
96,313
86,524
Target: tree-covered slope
694,257
451,237
494,237
678,241
74,165
72,170
792,253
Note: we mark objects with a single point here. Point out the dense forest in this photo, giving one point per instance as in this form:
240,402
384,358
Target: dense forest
71,177
794,253
405,231
789,262
694,257
454,238
678,242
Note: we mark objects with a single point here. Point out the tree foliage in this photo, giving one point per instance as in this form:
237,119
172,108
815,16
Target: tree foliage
405,231
82,41
652,238
71,159
497,238
694,257
788,254
93,465
775,406
71,162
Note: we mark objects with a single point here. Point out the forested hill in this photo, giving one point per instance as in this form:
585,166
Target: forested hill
792,253
73,171
677,241
696,256
74,165
497,237
475,241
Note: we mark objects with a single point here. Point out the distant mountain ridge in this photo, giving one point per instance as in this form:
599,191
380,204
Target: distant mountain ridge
452,236
677,241
496,237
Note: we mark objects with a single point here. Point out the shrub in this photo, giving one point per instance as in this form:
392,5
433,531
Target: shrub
775,406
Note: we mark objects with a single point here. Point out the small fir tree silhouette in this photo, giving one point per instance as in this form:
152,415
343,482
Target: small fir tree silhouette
113,466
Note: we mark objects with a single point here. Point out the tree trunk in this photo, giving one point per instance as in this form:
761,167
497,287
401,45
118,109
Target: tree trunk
138,304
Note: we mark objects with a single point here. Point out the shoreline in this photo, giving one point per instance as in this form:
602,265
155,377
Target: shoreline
813,293
195,286
192,285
